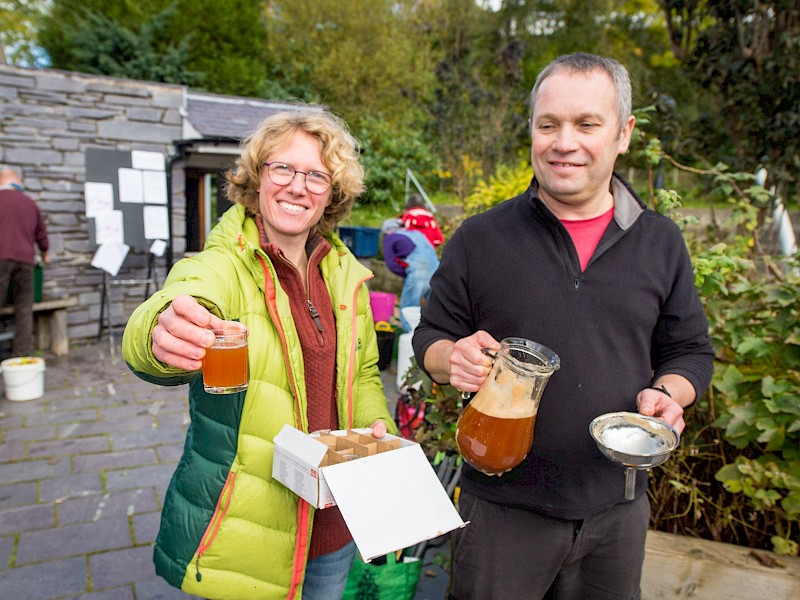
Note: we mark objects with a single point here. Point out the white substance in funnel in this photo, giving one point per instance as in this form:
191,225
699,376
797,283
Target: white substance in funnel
633,441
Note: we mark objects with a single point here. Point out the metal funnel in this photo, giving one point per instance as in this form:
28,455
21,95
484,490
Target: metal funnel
635,441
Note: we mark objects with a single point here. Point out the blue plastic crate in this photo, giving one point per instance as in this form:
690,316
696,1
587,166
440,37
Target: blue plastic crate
362,241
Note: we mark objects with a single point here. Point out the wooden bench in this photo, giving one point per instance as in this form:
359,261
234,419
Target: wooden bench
50,324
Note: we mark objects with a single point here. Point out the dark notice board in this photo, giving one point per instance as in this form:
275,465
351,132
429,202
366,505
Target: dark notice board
102,166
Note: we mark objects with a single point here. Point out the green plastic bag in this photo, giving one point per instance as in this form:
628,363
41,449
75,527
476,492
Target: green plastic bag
391,581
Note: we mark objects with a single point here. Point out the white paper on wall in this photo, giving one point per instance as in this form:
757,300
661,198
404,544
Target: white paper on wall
150,161
108,227
156,224
99,197
130,185
155,187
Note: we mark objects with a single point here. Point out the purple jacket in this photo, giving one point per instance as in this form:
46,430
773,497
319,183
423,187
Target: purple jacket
397,247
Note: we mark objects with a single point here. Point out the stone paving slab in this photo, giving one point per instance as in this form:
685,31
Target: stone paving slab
82,474
83,471
107,505
63,578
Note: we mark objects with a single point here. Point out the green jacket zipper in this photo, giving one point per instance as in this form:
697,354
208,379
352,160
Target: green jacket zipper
216,520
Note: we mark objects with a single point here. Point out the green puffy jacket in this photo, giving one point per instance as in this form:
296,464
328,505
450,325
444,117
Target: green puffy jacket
228,529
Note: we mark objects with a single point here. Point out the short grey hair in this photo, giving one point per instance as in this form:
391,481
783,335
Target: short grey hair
580,62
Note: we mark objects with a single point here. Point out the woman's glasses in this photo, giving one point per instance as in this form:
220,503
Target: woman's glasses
280,173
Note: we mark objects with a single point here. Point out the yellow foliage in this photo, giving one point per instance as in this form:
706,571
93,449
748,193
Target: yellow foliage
506,183
471,167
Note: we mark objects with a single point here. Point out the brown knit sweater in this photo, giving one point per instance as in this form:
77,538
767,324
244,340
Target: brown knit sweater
316,328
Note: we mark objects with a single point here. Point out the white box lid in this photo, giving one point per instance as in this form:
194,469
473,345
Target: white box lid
401,502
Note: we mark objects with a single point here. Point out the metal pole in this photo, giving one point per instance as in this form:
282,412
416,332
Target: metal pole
429,204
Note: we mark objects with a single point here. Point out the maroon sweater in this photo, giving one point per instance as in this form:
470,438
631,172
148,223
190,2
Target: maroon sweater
21,226
316,328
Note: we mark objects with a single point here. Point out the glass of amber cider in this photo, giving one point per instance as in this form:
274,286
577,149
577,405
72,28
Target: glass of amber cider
225,368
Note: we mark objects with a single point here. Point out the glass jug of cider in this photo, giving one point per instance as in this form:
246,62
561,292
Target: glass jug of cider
495,431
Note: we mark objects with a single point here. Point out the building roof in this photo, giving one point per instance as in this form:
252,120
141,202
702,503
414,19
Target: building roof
216,116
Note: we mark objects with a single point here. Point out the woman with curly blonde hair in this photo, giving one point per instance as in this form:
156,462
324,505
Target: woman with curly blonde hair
274,266
340,153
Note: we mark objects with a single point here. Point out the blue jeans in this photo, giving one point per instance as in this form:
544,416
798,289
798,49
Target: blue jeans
416,288
326,575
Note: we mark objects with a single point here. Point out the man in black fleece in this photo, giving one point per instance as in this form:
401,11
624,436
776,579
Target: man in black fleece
579,264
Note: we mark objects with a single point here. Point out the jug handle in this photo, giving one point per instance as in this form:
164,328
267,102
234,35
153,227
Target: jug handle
488,352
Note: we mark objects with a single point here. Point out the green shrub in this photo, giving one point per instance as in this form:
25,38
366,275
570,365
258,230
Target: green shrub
386,154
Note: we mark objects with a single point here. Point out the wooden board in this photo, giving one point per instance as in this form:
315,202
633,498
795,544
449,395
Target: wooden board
684,567
45,305
50,319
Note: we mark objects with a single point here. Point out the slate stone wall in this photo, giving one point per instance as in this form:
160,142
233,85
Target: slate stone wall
48,119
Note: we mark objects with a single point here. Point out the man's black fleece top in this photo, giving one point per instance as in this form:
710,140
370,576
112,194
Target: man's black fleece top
631,316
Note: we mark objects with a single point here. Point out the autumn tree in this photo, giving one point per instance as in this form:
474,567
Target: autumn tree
748,53
489,55
214,45
478,103
369,63
360,58
99,44
18,22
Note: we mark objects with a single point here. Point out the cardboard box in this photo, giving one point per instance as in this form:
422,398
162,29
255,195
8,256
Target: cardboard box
387,491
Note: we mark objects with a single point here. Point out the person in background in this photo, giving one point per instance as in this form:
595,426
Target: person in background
22,229
408,254
416,217
272,263
579,264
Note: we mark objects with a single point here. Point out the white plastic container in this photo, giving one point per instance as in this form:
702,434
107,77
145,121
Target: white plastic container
404,354
404,349
23,377
412,314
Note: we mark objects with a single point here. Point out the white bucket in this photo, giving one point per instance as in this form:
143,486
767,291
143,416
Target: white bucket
23,377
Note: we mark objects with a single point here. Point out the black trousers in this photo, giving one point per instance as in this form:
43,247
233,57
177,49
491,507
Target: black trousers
16,282
512,553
